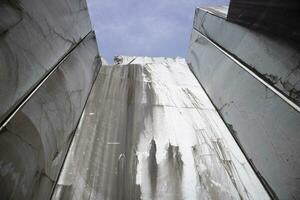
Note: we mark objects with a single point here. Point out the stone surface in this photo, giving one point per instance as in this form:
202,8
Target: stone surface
220,11
33,145
275,61
271,16
34,36
265,125
150,132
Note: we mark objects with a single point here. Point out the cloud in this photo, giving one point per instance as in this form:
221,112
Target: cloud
144,27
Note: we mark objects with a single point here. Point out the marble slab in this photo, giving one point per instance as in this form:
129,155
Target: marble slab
271,58
265,125
34,36
33,145
271,16
149,131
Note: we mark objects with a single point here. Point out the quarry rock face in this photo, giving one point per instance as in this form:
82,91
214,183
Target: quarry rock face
222,124
275,17
48,62
149,131
253,80
270,58
34,36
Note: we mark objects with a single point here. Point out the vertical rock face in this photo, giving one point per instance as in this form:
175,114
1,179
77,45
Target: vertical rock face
272,16
254,82
34,36
150,132
48,62
148,129
271,58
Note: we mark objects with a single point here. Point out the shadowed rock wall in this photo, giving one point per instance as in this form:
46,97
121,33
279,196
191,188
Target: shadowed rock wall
271,16
271,58
253,80
34,36
48,61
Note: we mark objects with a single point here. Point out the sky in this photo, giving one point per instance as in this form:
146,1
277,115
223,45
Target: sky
144,27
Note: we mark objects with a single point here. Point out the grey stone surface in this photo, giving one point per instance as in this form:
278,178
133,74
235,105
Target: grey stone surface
34,143
272,58
264,124
220,11
34,35
271,16
150,132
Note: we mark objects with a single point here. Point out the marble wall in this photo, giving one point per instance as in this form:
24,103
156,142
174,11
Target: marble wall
271,16
34,36
34,143
265,124
38,37
272,58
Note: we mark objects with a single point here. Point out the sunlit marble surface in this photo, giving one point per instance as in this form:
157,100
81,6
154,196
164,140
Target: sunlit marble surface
150,132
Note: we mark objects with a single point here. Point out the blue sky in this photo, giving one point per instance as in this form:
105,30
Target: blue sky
144,27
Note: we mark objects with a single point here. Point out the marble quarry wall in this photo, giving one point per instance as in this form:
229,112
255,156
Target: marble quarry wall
223,124
254,82
149,131
48,62
277,17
